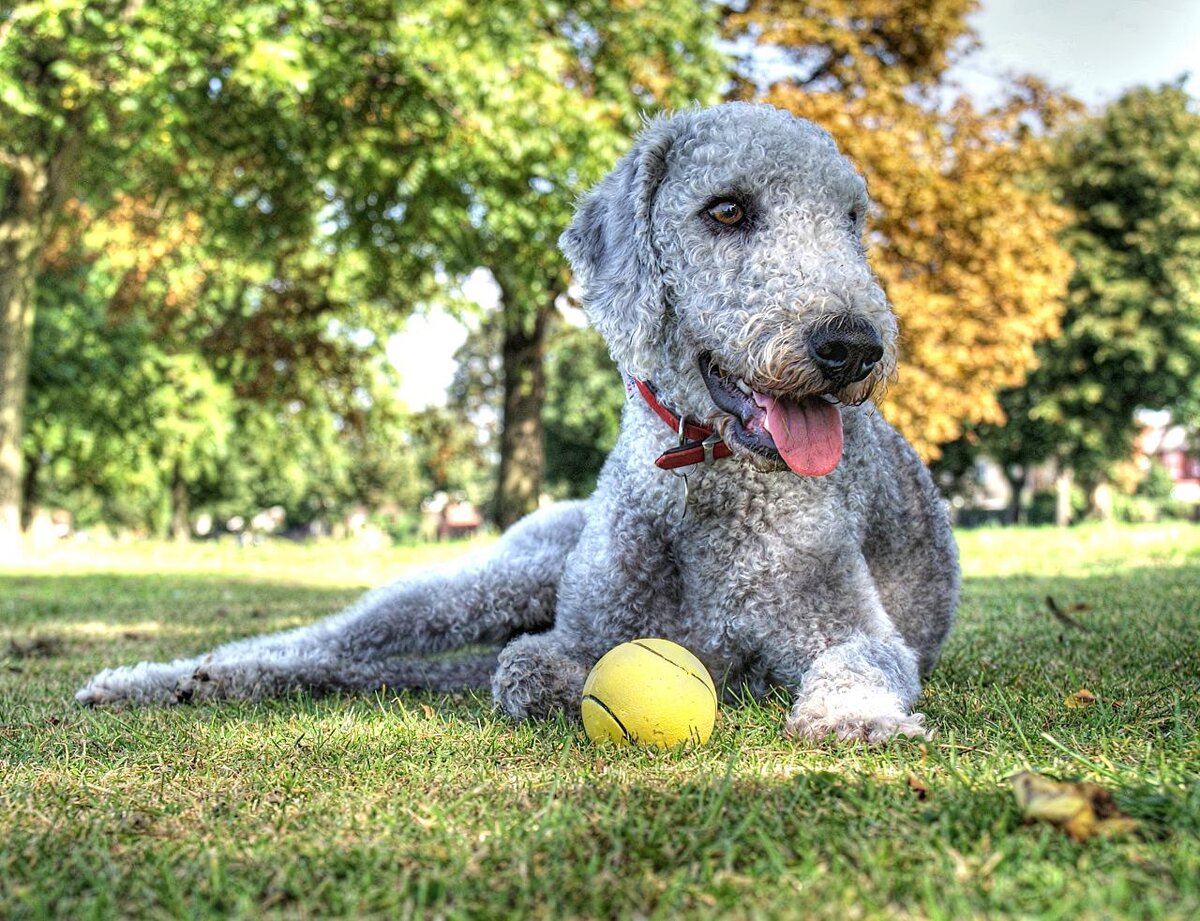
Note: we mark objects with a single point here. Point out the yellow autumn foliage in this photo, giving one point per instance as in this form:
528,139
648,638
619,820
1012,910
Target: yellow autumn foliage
962,239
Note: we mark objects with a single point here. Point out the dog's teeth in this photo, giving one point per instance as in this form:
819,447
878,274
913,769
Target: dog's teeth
744,387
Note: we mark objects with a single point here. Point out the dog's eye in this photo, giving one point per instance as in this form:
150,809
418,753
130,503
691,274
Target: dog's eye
853,216
729,213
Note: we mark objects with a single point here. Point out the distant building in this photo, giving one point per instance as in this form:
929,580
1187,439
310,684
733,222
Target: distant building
1174,447
446,517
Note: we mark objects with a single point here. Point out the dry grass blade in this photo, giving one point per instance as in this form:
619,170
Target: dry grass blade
1063,617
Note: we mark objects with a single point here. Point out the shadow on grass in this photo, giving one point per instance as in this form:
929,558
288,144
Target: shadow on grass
605,848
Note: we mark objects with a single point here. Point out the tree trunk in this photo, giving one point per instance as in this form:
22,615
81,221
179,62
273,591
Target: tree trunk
181,528
29,489
30,202
1016,483
18,261
522,449
1062,497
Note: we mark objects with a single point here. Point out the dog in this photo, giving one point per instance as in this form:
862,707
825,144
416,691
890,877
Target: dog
756,509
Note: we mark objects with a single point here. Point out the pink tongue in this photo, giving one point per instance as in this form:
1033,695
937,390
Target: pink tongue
808,433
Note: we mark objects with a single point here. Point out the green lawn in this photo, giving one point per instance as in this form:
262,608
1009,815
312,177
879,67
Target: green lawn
432,806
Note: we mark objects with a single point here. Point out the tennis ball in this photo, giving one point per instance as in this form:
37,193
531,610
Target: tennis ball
649,692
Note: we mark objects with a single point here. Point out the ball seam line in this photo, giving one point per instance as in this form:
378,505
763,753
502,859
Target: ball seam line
616,719
686,671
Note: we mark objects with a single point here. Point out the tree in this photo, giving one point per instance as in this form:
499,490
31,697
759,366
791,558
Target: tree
86,91
407,143
548,98
1130,178
963,239
84,449
584,398
137,424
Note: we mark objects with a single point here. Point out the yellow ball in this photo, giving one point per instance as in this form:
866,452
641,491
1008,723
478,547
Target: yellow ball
649,692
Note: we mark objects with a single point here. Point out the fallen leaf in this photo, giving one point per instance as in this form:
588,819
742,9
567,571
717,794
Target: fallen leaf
427,710
1081,698
1082,810
918,787
1062,617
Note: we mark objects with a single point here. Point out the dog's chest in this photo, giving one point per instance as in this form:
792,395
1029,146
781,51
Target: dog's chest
741,519
747,557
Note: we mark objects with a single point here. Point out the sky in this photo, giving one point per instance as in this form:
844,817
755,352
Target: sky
424,352
1094,49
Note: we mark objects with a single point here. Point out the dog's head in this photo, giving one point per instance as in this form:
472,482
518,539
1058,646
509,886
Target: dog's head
722,260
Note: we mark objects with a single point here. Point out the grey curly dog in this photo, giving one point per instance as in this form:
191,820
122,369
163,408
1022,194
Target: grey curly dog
807,548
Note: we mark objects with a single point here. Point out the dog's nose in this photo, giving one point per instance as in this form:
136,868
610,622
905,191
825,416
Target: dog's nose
845,350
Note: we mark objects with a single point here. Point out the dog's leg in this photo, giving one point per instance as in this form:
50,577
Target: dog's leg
861,688
618,584
853,674
486,602
539,675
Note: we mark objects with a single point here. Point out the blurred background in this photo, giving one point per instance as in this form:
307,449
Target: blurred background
290,268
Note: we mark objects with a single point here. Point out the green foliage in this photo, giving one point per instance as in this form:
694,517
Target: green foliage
1157,484
263,186
452,454
582,412
117,409
1131,330
1130,337
584,399
83,446
1043,506
1140,510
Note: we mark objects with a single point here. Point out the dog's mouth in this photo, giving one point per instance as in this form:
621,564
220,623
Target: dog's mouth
803,432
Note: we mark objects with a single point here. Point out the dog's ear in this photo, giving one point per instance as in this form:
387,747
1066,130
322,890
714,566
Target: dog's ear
612,254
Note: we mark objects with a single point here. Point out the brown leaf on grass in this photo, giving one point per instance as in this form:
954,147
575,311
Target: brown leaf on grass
918,787
1063,617
427,710
1081,698
1082,810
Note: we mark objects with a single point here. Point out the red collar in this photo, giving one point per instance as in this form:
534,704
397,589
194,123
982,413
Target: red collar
697,443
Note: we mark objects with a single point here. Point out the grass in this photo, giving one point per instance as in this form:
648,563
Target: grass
432,806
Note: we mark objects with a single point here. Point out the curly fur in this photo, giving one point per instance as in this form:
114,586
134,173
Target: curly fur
840,588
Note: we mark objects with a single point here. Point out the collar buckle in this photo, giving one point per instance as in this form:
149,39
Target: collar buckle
697,443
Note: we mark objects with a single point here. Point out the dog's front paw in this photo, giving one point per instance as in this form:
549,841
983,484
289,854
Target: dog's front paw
867,718
144,684
533,680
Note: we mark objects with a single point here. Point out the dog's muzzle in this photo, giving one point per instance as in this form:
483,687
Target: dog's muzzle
800,432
